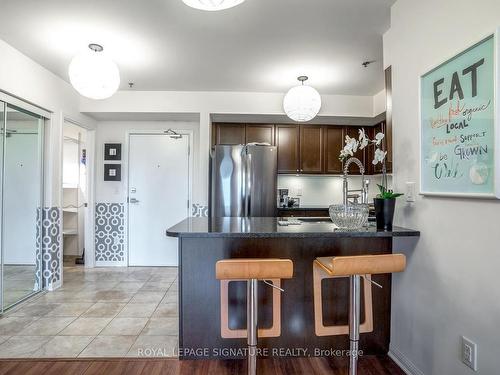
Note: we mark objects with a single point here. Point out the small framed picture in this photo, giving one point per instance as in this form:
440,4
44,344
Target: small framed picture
112,151
112,172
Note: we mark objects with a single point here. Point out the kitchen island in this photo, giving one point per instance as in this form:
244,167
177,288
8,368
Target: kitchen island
204,241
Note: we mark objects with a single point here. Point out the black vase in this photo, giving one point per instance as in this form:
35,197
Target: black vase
384,212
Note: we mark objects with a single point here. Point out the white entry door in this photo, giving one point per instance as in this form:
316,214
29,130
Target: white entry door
158,197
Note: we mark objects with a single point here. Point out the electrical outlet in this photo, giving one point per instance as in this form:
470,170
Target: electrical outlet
469,353
410,192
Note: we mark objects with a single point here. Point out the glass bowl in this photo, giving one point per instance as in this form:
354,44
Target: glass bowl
350,217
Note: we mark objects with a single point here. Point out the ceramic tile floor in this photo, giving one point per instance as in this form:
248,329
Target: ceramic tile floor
19,282
99,312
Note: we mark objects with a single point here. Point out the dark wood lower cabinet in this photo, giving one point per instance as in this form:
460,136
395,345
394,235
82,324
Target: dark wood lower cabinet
199,299
283,212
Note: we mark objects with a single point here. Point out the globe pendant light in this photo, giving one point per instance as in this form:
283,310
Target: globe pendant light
212,5
302,103
93,74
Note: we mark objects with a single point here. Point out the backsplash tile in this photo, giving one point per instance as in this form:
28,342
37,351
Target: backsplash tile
199,210
50,246
110,232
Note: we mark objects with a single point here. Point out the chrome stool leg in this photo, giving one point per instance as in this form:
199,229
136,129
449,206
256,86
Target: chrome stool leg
354,308
252,298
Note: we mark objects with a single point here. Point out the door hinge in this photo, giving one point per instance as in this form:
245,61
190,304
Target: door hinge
189,149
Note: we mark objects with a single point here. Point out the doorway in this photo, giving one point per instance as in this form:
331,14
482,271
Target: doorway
159,195
21,192
75,194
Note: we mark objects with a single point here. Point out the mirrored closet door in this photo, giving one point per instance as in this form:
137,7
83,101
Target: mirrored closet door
21,162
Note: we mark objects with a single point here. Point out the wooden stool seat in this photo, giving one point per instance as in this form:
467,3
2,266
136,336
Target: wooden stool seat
362,264
261,269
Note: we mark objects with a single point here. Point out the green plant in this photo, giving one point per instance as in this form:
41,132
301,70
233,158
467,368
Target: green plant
386,193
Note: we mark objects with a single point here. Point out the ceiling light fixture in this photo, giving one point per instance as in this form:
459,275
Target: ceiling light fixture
93,74
212,5
302,103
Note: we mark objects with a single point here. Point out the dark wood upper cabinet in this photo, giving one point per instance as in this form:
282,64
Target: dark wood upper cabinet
334,142
370,152
307,149
311,149
388,115
229,134
262,133
353,132
287,141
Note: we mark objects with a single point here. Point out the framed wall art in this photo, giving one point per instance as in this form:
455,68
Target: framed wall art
459,132
112,172
112,151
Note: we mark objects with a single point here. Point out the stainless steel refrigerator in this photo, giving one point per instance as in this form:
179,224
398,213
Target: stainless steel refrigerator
243,180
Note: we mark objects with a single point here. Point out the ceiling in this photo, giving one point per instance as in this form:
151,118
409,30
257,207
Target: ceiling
261,45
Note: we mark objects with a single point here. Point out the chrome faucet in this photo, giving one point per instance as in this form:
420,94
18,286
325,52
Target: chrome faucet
365,183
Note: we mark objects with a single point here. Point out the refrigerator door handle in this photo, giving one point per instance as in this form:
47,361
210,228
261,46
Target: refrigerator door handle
248,182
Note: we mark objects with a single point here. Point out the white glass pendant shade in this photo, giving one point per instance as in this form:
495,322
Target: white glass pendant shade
94,75
212,5
302,103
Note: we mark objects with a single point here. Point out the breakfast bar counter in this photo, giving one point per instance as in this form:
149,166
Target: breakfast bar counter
204,241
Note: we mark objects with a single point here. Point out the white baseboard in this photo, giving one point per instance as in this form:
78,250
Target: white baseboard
404,363
54,286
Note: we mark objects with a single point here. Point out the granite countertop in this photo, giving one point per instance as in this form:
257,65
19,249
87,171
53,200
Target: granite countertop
308,208
267,227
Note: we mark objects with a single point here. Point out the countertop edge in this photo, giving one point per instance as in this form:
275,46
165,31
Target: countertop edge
339,234
172,234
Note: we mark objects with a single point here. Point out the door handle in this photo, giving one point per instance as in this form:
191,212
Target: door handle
133,200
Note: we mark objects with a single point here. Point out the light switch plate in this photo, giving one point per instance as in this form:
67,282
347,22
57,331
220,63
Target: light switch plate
469,353
410,192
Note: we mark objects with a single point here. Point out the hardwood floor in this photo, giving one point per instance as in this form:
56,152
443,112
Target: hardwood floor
368,365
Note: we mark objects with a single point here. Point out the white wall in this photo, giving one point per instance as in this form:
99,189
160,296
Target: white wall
116,132
379,103
450,287
22,77
323,190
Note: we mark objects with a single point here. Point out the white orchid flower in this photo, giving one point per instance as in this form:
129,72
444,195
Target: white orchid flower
353,145
348,150
379,156
343,154
378,138
363,139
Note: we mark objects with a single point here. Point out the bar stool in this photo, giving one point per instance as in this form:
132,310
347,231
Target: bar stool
353,267
253,270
